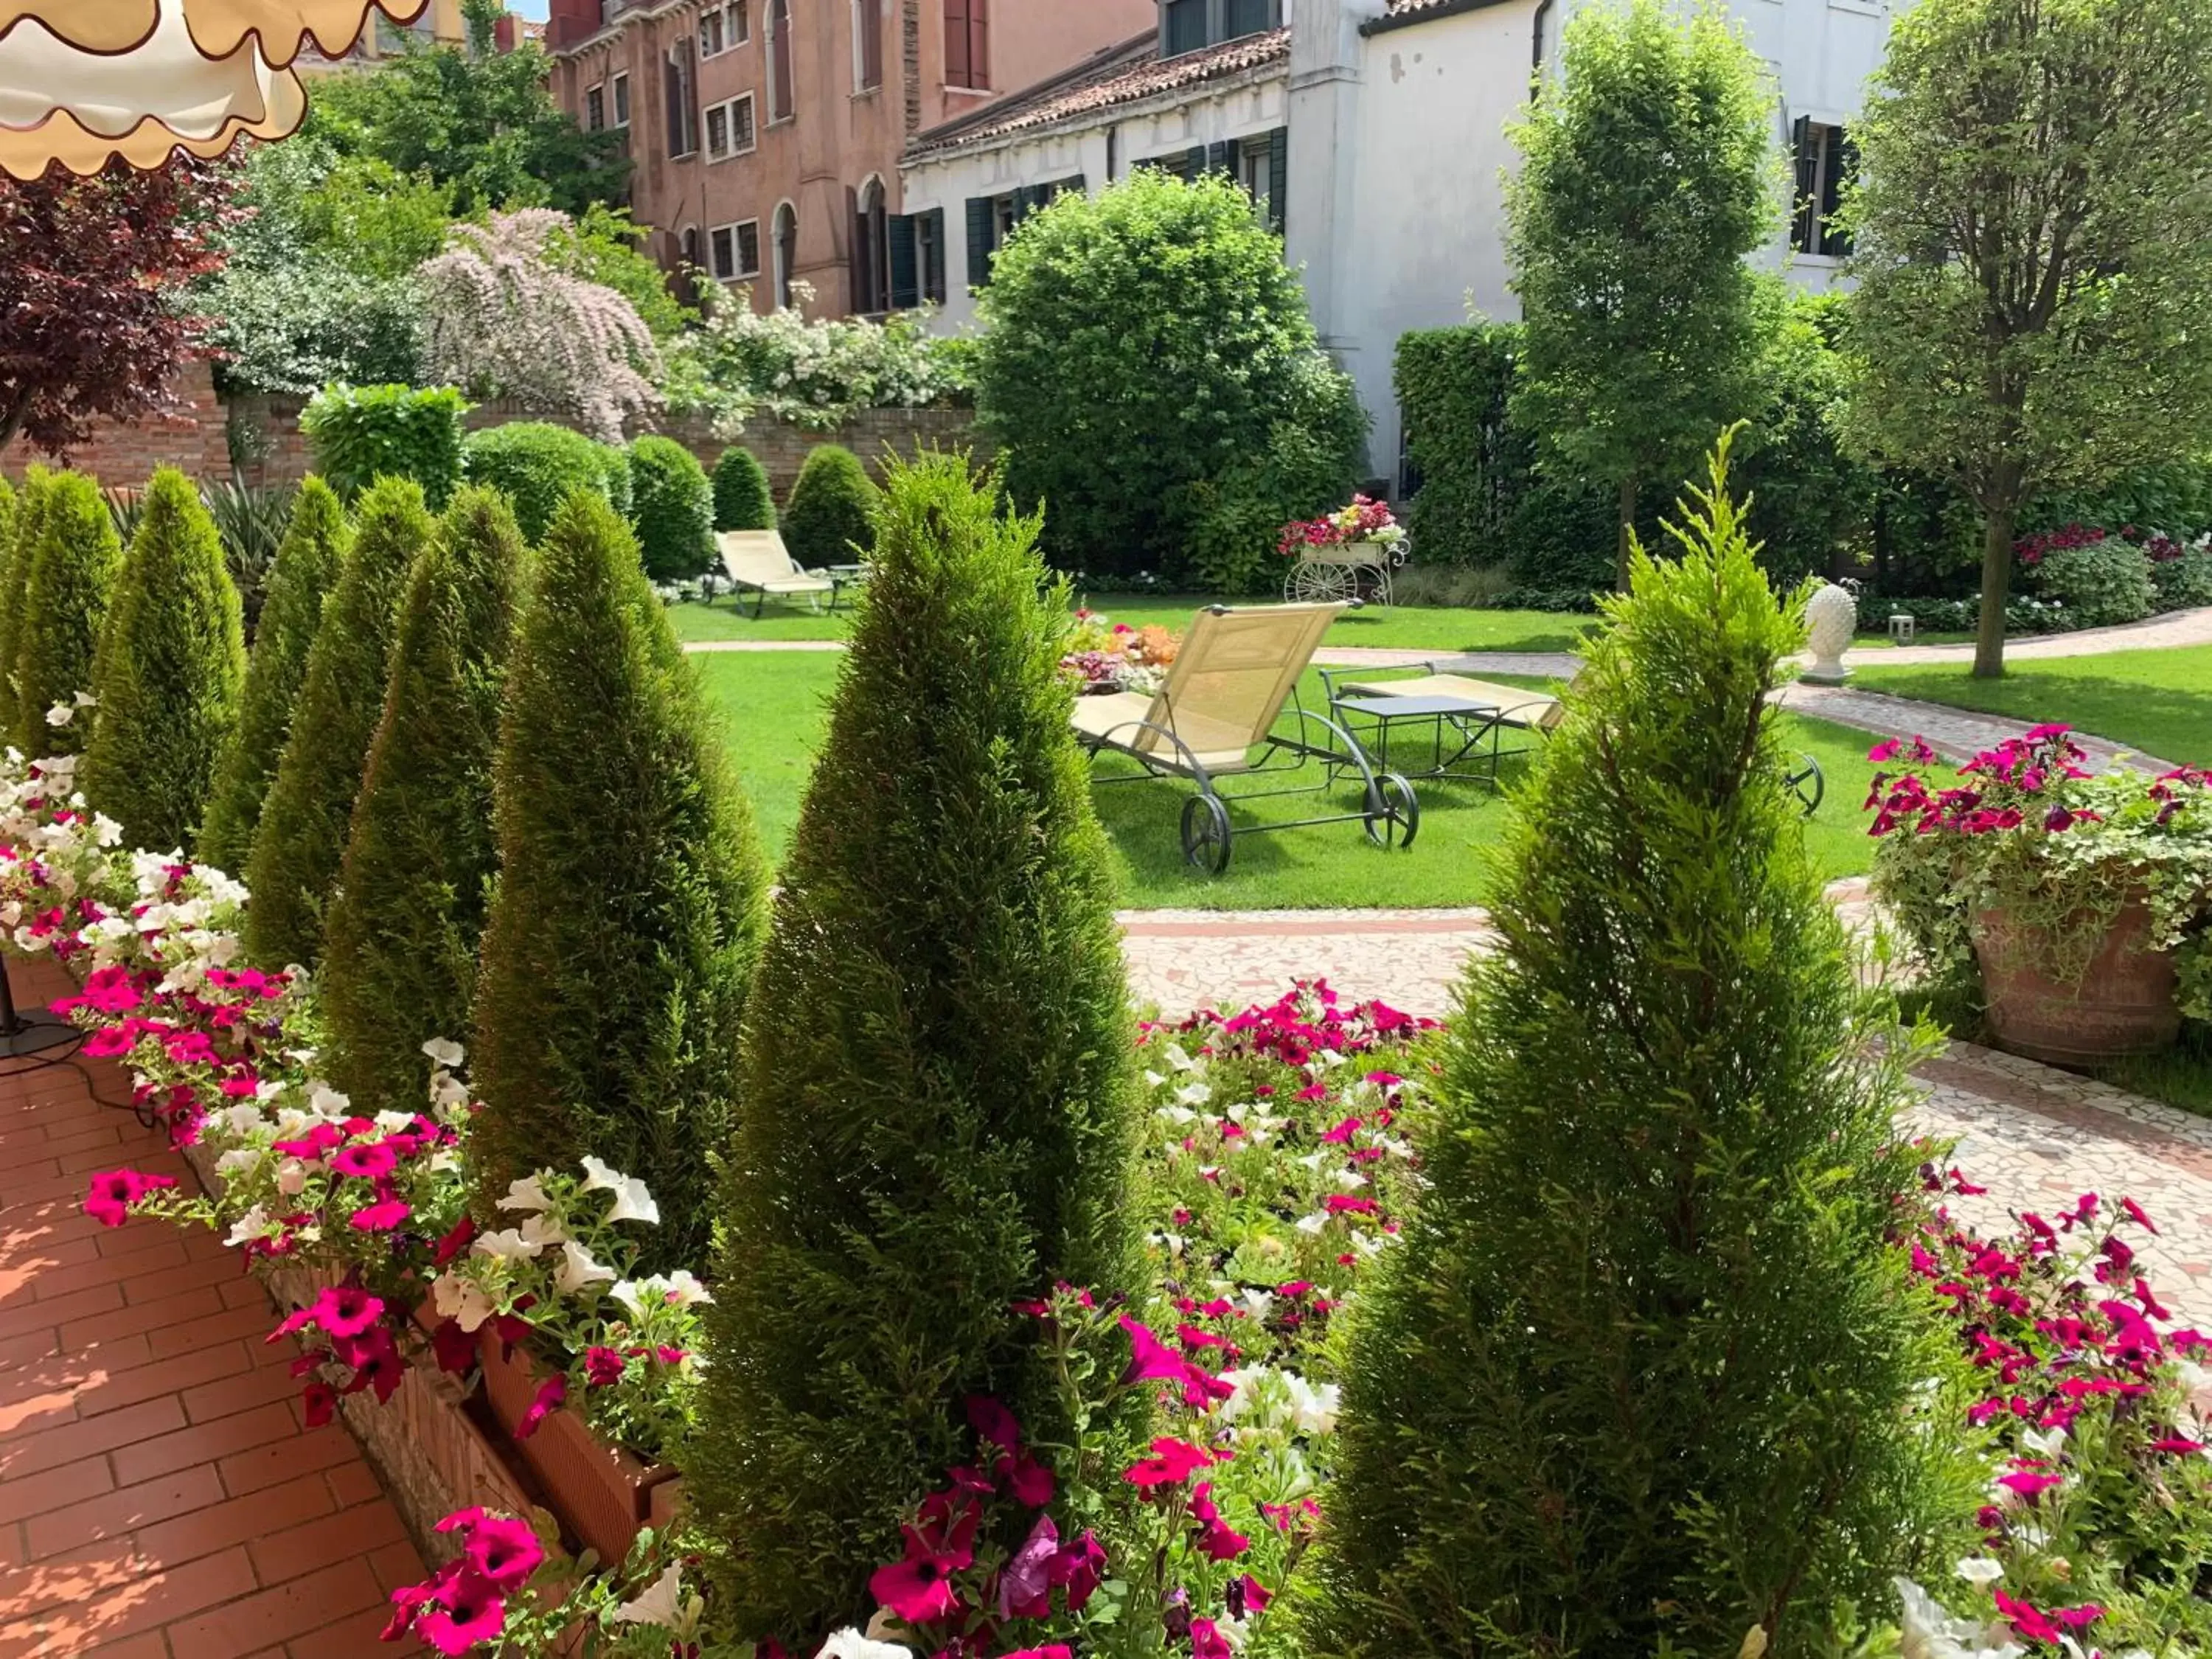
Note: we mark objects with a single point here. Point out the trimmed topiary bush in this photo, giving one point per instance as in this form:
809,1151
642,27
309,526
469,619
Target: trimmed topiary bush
671,508
307,568
742,498
827,519
172,664
399,956
301,840
939,1115
359,434
73,569
535,466
630,902
1643,1371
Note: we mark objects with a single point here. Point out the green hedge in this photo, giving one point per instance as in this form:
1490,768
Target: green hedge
743,500
535,465
66,596
172,667
671,510
827,520
359,434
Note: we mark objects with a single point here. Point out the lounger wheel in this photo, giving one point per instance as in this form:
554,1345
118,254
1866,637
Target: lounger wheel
1206,834
1394,812
1806,783
1312,582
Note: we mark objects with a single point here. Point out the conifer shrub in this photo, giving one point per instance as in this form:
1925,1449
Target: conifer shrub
1643,1372
631,895
17,537
938,1110
301,840
400,955
171,668
671,508
307,566
535,464
66,591
743,500
826,521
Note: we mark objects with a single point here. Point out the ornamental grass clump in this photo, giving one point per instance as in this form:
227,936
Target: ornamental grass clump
399,958
173,665
307,564
301,837
66,592
1644,1373
742,498
938,1116
631,896
828,519
671,509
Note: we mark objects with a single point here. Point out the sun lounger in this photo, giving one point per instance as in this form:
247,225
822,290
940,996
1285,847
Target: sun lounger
757,563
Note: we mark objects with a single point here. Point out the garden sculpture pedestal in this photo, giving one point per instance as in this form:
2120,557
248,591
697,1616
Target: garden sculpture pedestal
1832,617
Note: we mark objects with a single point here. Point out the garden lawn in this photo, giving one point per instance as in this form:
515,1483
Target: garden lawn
2158,702
773,706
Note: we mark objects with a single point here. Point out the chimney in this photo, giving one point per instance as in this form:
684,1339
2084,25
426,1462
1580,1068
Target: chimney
1325,53
569,21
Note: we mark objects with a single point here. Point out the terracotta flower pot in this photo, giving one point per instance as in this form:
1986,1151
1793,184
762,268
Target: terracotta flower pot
2125,1003
601,1493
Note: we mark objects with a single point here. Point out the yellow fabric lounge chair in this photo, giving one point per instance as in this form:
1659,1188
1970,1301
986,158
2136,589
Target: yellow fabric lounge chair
757,563
1215,714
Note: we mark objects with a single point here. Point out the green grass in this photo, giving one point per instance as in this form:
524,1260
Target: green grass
2158,702
772,709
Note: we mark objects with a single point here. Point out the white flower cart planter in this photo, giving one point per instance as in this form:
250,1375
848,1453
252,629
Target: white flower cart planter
1325,574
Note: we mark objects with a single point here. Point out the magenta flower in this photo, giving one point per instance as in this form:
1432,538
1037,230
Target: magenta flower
473,1612
506,1551
382,1216
455,1348
320,1401
2135,1213
370,1160
1049,1650
995,1423
551,1393
1248,1596
1080,1568
603,1367
1150,1358
109,991
918,1587
2028,1482
114,1191
1206,1641
346,1310
1172,1462
1216,1540
1025,1582
2025,1619
1028,1482
376,1363
2178,1445
454,1243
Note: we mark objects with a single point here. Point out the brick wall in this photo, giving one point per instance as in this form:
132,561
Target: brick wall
191,437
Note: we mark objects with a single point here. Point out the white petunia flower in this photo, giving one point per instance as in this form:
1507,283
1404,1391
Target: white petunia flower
445,1052
292,1177
659,1602
1312,1223
244,1157
525,1194
461,1299
544,1230
508,1245
1980,1569
326,1102
60,715
242,1119
849,1643
85,700
633,1198
578,1269
254,1223
1313,1409
1179,1061
1194,1094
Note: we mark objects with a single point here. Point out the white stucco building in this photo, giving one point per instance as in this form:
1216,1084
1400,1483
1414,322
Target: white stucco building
1371,132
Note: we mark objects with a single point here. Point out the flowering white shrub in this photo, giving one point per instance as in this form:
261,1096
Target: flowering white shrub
504,320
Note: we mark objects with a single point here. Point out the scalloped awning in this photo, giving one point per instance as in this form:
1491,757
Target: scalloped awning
82,80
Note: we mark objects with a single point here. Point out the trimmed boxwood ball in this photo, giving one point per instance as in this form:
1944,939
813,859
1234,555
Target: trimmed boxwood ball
301,837
1643,1372
671,508
307,568
535,464
66,594
400,958
173,665
631,897
939,1116
743,500
827,519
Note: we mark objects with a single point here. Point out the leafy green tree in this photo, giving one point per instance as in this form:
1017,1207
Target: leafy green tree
1644,1371
1647,175
308,562
939,1117
172,667
631,896
2033,251
66,594
301,840
1139,343
742,498
399,956
671,509
535,465
830,517
479,120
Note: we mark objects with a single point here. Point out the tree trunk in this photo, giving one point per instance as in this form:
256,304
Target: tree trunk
1997,525
1627,530
13,416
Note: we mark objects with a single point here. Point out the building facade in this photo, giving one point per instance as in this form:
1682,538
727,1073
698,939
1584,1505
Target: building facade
439,24
765,134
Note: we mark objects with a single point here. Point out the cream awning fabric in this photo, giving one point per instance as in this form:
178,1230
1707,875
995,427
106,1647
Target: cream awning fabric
82,80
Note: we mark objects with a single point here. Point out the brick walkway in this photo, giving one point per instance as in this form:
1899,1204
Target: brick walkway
159,1499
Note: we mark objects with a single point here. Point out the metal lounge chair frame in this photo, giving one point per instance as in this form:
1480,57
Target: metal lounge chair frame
758,560
1180,732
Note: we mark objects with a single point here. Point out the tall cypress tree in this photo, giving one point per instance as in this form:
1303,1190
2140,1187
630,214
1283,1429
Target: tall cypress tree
306,568
631,895
1643,1373
301,840
172,664
26,523
66,592
938,1113
400,958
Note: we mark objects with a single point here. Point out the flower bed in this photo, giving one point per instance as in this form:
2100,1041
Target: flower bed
1100,655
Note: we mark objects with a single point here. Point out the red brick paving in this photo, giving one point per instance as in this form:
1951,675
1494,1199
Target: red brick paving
159,1498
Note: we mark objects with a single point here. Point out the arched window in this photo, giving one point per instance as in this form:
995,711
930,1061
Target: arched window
872,262
786,251
779,60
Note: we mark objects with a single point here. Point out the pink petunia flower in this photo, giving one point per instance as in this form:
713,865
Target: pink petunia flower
918,1587
1080,1568
114,1191
1172,1462
994,1422
551,1394
1206,1641
505,1550
473,1612
320,1401
382,1216
346,1310
368,1160
1150,1358
1025,1582
603,1367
